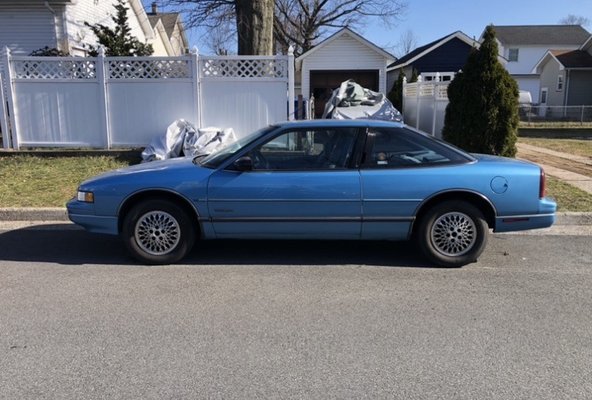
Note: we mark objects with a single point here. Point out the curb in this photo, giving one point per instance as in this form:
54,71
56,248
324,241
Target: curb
60,214
33,214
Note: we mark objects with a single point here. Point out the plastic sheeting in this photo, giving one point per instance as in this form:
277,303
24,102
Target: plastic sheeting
183,139
352,101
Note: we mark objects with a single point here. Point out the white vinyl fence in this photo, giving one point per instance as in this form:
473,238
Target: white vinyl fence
107,102
424,104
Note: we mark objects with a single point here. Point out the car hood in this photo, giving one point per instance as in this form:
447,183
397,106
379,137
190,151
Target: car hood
157,172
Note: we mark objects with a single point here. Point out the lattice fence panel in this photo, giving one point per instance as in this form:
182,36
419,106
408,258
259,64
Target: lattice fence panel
54,69
238,68
149,69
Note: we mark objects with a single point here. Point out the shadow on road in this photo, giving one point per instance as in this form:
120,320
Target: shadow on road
56,244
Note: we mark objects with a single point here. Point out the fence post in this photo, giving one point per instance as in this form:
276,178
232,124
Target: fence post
291,83
418,101
582,116
10,94
102,72
403,92
195,78
3,117
435,96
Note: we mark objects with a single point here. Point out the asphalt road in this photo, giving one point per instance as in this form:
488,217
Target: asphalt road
78,319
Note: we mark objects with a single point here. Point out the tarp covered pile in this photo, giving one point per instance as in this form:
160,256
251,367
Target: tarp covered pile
352,101
183,139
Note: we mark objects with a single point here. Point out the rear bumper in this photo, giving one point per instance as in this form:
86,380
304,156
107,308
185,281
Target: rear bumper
544,219
83,214
523,222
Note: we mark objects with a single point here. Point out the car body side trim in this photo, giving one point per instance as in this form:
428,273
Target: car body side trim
525,216
310,219
286,200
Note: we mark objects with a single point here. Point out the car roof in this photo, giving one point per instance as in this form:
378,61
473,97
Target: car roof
329,123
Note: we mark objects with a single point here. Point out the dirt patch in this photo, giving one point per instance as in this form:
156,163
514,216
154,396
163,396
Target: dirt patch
555,161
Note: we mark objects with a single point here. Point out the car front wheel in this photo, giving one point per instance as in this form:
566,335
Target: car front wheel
158,232
453,233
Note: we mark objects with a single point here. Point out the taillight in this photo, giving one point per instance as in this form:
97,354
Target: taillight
542,185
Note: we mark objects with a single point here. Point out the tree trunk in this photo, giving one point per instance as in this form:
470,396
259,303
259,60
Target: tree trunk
254,24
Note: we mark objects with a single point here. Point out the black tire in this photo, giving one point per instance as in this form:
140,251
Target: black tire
452,233
158,232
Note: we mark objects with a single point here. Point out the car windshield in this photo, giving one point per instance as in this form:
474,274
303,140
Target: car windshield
216,159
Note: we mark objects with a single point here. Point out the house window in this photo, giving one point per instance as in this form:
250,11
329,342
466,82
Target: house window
513,54
559,83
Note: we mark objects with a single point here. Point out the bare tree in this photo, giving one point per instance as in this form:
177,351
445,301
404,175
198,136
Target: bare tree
300,23
303,22
254,25
572,19
407,43
253,20
220,40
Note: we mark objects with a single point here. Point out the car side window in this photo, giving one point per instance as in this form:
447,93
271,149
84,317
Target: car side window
399,147
318,149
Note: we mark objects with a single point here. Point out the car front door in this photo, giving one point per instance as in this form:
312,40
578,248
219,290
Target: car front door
300,186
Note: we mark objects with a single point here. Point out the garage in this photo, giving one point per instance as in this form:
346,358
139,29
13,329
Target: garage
345,55
322,84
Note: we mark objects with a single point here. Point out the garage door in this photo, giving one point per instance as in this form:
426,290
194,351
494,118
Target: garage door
322,84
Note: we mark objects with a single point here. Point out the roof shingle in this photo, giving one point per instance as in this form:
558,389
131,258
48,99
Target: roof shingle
541,34
574,58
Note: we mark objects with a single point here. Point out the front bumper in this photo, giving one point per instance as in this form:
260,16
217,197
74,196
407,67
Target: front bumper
84,215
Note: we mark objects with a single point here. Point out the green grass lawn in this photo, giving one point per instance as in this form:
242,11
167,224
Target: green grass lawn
571,146
568,197
31,181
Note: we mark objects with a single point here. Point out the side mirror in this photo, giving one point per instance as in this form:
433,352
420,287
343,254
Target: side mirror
243,164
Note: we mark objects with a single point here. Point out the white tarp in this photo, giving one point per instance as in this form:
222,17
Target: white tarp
352,101
183,139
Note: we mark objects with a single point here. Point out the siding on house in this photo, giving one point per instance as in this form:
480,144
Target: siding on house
177,41
158,43
529,83
450,57
344,53
528,57
28,29
548,79
580,88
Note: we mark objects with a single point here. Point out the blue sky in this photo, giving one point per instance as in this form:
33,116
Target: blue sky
431,19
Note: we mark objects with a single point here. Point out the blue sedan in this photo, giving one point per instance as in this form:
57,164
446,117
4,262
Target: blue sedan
322,179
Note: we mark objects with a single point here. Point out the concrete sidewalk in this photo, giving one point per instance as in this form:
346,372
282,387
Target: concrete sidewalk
534,153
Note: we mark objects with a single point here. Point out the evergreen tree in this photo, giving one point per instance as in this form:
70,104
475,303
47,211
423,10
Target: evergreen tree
118,41
482,115
396,93
414,76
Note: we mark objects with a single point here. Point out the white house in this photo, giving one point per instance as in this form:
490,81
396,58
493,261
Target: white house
27,25
170,28
344,55
524,45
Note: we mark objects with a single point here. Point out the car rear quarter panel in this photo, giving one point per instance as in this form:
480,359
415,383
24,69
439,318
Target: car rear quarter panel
402,192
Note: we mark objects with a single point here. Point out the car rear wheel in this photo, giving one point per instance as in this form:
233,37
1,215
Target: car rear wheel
158,232
453,233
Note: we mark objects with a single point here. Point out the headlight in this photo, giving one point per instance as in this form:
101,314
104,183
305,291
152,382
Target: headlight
85,197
